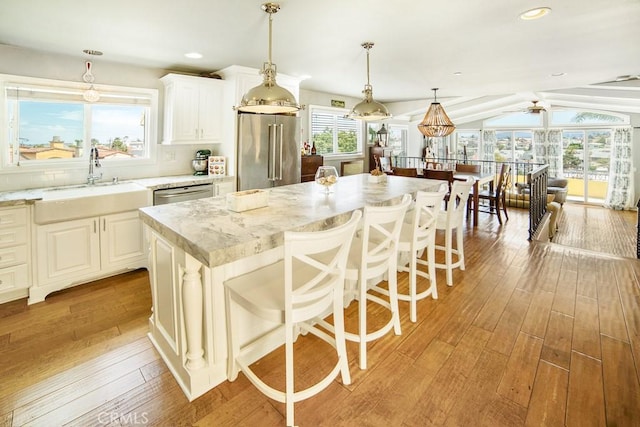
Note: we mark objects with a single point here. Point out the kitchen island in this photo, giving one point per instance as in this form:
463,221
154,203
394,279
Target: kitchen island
196,245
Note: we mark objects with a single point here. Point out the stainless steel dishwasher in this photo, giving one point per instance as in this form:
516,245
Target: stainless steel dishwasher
181,194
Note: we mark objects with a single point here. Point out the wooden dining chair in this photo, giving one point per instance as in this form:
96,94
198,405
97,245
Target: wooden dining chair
441,175
497,197
461,167
410,172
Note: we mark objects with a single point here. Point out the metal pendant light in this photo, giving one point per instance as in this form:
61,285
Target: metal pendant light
436,122
368,109
268,97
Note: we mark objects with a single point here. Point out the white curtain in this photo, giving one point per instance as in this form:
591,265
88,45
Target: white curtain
620,190
554,152
489,141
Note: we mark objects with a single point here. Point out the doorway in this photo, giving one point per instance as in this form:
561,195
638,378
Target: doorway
586,156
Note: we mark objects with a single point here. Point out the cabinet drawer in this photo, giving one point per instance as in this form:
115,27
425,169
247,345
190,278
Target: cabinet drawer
12,217
13,236
13,256
12,278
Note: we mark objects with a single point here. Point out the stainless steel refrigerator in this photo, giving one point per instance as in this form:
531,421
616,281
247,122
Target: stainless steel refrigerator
268,151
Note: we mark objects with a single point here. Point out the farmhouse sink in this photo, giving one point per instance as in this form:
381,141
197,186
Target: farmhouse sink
83,201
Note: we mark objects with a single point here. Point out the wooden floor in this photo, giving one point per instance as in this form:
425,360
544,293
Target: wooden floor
530,334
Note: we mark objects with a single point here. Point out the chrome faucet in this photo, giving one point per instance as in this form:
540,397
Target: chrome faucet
93,161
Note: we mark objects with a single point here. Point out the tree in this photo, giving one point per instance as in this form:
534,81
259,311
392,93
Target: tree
594,117
119,145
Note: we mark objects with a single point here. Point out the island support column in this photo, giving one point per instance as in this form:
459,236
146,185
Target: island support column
192,306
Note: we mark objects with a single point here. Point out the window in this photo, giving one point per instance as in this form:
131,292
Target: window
585,163
398,139
333,133
585,118
469,142
514,146
49,122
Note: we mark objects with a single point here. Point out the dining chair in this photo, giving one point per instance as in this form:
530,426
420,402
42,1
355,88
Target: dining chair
461,167
497,196
351,167
374,256
416,236
443,175
450,220
293,292
410,172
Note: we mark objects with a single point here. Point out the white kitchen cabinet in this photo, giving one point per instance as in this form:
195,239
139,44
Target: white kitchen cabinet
15,253
77,251
193,110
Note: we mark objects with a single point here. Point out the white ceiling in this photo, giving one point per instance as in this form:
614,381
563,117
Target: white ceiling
504,61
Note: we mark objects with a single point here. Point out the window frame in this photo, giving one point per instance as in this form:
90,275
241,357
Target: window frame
151,131
337,112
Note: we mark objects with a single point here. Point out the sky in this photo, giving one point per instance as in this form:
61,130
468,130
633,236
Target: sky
41,121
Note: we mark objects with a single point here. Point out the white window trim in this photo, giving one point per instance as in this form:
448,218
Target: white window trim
67,164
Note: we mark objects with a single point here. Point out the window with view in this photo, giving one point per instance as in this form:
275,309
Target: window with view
333,133
54,123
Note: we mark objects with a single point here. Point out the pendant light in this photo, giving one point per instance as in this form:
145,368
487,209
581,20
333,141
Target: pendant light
368,109
436,122
91,94
268,97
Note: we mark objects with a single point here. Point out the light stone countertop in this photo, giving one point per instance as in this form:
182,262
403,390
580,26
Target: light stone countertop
213,235
22,197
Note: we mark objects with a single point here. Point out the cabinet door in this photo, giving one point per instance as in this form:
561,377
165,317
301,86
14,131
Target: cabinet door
185,112
211,98
67,250
122,241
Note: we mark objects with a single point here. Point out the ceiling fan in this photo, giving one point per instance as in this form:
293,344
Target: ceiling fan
531,109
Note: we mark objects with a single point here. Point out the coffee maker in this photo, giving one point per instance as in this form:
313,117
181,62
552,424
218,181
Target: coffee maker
200,162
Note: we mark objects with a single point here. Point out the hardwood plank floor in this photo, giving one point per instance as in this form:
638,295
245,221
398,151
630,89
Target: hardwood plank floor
530,334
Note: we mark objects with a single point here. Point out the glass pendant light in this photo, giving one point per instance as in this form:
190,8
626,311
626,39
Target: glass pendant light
436,122
268,97
91,94
368,109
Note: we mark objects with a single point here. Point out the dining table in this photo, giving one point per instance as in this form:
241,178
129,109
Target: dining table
480,179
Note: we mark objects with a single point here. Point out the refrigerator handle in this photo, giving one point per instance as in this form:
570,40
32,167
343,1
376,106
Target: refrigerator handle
281,144
271,167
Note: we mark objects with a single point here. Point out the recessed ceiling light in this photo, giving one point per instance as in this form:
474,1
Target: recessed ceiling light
536,13
457,73
193,55
92,52
558,74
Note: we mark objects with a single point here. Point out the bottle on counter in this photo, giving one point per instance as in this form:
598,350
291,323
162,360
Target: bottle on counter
313,149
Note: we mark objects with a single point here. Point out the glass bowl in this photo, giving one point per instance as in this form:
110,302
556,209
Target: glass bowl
326,177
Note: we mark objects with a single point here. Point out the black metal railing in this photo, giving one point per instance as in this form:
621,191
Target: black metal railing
537,181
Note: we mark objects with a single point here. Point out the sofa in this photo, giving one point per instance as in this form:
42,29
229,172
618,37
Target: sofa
559,187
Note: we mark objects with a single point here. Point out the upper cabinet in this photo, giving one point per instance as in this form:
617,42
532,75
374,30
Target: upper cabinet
193,110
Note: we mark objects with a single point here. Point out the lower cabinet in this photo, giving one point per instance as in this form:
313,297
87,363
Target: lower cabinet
15,253
73,252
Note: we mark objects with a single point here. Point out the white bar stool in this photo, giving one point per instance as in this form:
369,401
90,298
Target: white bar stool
374,255
452,219
308,283
417,235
